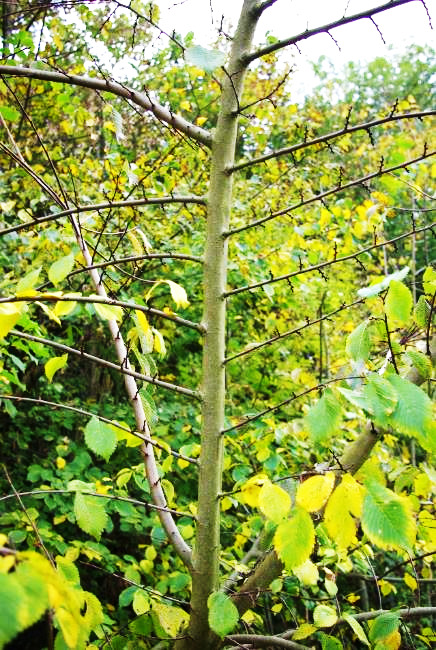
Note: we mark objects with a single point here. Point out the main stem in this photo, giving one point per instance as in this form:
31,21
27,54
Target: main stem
205,573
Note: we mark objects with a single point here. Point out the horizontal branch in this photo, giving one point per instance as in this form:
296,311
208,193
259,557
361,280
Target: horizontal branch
285,402
113,497
66,407
138,258
108,364
142,99
322,265
296,330
43,297
263,641
131,203
323,195
408,612
329,136
324,29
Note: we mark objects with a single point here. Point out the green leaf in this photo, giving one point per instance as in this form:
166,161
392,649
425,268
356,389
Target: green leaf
90,514
420,361
387,519
399,301
10,113
356,627
223,615
28,281
54,364
295,538
12,596
324,616
413,413
94,612
205,59
101,438
421,312
375,289
59,270
429,280
380,397
274,502
358,343
108,312
330,642
383,626
324,417
67,569
141,602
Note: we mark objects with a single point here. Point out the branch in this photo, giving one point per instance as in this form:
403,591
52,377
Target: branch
279,337
322,265
105,301
323,195
329,136
345,20
262,641
143,100
108,364
409,612
113,423
113,497
103,206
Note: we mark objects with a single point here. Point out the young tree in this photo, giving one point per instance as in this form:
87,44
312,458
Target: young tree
217,169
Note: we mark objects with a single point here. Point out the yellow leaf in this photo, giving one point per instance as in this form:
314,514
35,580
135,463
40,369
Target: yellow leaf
9,315
185,105
313,493
251,489
391,642
108,312
69,626
142,321
410,581
274,502
159,343
55,364
60,462
201,120
345,501
178,294
304,631
64,308
307,573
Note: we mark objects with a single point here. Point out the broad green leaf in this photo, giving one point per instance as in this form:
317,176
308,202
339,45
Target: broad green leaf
429,280
314,492
55,364
67,569
28,282
10,113
324,417
59,270
178,294
358,342
343,506
108,312
10,313
13,599
413,413
101,438
420,361
274,502
295,538
94,613
90,514
205,59
223,615
324,616
383,626
329,642
375,289
380,397
387,519
356,627
399,301
421,312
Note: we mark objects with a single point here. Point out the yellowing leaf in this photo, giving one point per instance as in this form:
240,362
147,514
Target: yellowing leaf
142,321
313,493
55,364
251,489
345,501
9,314
28,282
159,343
170,619
307,573
178,294
60,462
108,312
410,581
50,313
356,627
63,308
324,616
274,502
59,270
391,642
305,630
387,519
141,602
